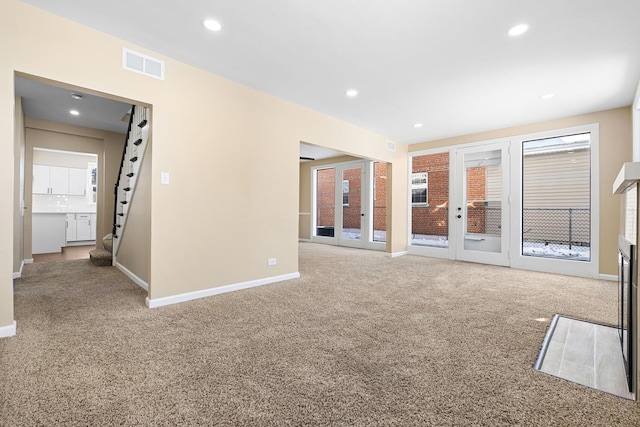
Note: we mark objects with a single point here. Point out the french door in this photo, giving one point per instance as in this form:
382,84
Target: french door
481,204
339,199
529,202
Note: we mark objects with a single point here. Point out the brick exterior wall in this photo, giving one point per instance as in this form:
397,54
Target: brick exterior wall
433,218
351,213
326,196
380,200
326,179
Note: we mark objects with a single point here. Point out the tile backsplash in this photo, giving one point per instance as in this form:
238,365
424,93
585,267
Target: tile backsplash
61,203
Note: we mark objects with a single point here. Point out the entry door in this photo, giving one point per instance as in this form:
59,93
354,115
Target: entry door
350,200
481,210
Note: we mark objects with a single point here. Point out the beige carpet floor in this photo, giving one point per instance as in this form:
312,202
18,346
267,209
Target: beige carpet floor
359,340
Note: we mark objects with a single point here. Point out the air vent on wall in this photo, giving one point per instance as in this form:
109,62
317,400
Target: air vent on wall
391,146
143,64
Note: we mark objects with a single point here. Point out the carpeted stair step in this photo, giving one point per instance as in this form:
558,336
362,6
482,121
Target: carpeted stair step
100,257
107,242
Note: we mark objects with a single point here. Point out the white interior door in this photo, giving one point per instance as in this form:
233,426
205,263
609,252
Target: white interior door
481,208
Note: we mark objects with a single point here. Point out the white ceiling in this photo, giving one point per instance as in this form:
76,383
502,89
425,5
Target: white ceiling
448,64
53,103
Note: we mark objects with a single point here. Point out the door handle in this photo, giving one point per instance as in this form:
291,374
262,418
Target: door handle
459,216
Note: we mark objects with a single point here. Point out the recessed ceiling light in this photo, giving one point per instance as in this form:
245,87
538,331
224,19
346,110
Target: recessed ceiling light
74,112
518,30
547,96
417,125
352,93
212,25
76,96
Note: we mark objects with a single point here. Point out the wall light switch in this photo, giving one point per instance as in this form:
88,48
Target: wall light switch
164,178
272,261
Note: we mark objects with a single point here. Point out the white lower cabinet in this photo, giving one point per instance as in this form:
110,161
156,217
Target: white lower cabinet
81,227
94,221
71,228
47,233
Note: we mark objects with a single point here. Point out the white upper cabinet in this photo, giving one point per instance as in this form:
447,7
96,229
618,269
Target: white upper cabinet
50,179
77,182
41,179
59,180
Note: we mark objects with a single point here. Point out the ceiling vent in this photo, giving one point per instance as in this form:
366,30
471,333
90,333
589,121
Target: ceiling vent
391,146
142,64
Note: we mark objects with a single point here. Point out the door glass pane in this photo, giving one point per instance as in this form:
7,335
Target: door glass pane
379,202
483,201
351,203
556,197
325,202
430,200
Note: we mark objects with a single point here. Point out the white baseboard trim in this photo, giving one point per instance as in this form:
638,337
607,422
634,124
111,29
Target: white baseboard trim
138,281
610,277
18,274
159,302
28,261
397,254
8,331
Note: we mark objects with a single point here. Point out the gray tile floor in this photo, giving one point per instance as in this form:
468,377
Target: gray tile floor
588,354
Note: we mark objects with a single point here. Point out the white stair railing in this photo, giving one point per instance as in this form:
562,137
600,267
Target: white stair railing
132,155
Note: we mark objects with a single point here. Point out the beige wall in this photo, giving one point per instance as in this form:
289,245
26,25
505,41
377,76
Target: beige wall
615,149
58,136
138,227
18,193
233,198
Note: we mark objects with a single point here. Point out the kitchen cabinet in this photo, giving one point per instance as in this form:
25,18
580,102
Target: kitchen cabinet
41,179
48,232
71,228
59,180
81,227
94,221
50,179
77,182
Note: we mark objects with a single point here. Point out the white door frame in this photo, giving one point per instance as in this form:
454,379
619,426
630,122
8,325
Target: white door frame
477,243
513,163
433,252
560,266
364,235
366,222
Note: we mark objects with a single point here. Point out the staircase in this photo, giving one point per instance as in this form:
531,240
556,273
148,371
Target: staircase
132,154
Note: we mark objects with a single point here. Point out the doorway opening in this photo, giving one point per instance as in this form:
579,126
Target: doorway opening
349,204
63,204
